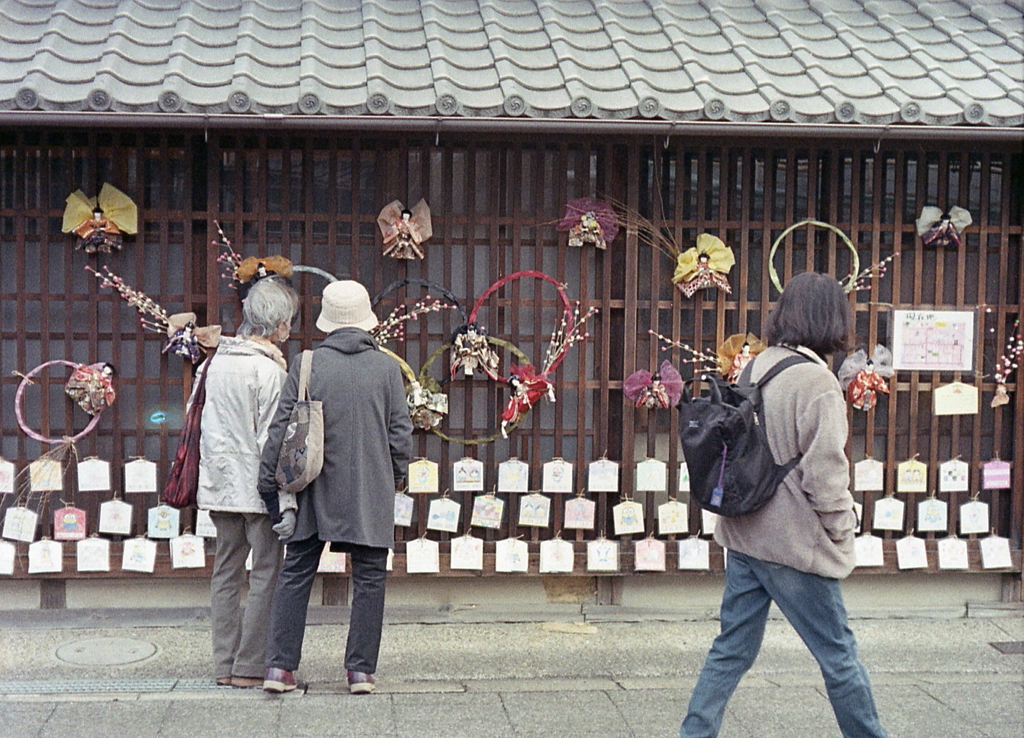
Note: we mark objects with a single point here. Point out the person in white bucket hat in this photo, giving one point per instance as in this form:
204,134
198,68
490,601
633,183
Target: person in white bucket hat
367,449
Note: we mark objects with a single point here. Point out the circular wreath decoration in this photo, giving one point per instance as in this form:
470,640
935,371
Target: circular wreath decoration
20,415
850,281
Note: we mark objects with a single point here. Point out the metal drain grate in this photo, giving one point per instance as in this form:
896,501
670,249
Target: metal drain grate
1009,647
199,685
87,686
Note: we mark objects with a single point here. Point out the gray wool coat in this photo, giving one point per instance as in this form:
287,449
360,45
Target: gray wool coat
367,443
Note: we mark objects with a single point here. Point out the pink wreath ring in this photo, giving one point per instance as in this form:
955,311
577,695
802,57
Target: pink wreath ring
26,379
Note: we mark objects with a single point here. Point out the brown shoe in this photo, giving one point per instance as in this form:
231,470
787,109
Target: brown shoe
360,683
224,681
278,681
246,682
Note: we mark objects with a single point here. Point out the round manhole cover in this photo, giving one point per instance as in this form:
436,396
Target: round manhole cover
105,651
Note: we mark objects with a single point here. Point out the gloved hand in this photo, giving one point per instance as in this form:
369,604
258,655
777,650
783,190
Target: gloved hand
286,527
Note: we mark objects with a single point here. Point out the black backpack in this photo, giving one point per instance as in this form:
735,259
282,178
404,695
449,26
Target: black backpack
732,470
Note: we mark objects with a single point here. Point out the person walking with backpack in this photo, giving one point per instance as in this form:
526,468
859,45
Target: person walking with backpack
796,548
350,505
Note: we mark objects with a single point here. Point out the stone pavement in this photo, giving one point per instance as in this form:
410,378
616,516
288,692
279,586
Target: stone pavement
558,671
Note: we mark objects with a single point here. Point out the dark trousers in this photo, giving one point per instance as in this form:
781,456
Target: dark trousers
291,598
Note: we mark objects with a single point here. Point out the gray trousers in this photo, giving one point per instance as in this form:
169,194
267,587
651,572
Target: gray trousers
240,635
291,599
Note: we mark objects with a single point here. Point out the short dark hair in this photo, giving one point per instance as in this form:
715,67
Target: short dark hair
813,311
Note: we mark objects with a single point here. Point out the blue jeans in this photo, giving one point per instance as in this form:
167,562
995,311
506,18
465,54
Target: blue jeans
814,607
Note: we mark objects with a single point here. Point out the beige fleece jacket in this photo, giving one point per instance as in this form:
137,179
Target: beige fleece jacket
809,523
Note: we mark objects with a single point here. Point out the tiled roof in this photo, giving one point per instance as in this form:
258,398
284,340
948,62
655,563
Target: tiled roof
807,61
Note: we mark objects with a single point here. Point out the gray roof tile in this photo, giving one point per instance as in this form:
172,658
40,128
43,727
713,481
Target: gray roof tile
798,60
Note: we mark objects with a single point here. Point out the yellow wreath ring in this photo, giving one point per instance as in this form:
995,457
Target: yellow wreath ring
850,281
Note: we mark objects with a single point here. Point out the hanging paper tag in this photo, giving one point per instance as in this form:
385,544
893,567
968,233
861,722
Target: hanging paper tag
139,554
602,555
651,476
579,514
932,515
94,475
115,518
20,524
422,557
163,522
45,557
673,517
888,514
443,515
7,552
869,475
45,475
995,474
511,555
93,554
953,476
708,521
956,398
423,476
331,562
649,555
910,553
974,518
867,550
188,552
487,511
513,476
912,476
694,554
534,511
557,476
858,510
69,524
556,557
467,553
995,553
468,476
7,475
403,509
603,476
140,476
204,524
628,518
953,553
684,477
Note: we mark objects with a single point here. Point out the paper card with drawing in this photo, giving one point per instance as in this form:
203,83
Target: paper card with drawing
467,553
603,476
556,557
673,517
423,476
956,398
869,475
204,524
579,514
488,511
708,521
331,562
20,524
163,522
188,552
513,476
422,557
932,515
953,476
139,554
953,553
94,475
140,476
912,476
888,514
468,475
404,505
995,474
534,510
46,475
649,555
7,476
867,551
628,518
602,555
511,556
974,517
45,557
68,524
694,554
557,476
115,518
7,554
910,553
93,554
684,477
443,515
995,552
651,476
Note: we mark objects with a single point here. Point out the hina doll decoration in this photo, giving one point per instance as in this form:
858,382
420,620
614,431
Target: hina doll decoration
91,386
942,229
1007,364
405,230
471,351
662,389
705,265
863,378
184,337
735,352
243,272
427,408
589,221
99,222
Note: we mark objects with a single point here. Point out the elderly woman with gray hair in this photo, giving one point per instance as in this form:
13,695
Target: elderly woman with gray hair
242,389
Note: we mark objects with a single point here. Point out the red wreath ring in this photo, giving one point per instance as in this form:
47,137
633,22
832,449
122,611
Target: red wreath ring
20,394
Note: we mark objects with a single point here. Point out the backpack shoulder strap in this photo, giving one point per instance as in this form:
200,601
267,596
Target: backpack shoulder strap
779,368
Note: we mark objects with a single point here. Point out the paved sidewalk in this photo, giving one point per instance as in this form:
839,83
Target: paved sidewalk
551,674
